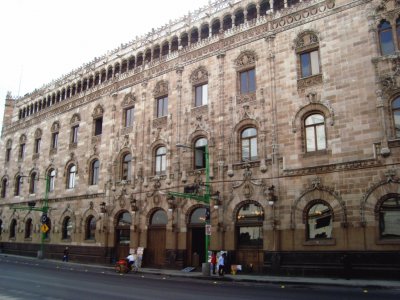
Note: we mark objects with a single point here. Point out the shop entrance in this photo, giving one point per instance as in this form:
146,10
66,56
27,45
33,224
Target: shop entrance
122,235
196,238
156,239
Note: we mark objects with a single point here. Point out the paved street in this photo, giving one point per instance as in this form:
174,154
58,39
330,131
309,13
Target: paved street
27,278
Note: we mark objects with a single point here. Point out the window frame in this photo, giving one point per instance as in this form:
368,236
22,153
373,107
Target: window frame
163,110
98,126
4,183
197,155
382,210
18,185
71,177
330,214
316,134
129,116
249,221
28,229
382,31
250,139
74,134
247,88
54,140
22,149
126,165
65,233
160,161
395,111
199,98
310,68
52,180
94,172
90,230
38,142
33,183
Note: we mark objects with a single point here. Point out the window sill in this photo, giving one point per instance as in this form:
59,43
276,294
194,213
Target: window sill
388,242
316,153
320,242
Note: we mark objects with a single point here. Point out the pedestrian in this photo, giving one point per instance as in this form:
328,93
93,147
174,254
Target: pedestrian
66,254
221,264
214,261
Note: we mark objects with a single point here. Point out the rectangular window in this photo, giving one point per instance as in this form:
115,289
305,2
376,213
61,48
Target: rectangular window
22,151
37,145
74,134
248,81
98,126
309,63
8,154
129,116
54,140
201,95
162,107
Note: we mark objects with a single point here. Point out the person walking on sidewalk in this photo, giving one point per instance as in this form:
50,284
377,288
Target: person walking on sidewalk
214,261
66,254
221,264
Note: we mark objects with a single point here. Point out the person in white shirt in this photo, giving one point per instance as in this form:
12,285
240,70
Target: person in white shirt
131,259
221,264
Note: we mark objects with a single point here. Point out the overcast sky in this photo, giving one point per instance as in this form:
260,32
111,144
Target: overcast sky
44,39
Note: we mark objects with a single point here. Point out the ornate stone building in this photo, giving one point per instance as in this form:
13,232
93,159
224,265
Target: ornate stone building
297,103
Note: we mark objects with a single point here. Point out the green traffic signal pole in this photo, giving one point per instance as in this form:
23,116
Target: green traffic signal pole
204,198
44,209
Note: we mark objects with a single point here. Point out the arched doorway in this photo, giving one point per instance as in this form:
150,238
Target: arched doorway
122,234
196,237
156,238
249,236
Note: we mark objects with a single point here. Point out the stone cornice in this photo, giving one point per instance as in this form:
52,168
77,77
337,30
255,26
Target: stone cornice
233,38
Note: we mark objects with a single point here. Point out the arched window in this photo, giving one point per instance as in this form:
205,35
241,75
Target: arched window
90,228
28,228
389,217
396,116
52,179
200,153
13,229
315,132
249,144
33,183
94,172
1,226
71,176
319,221
123,228
161,160
18,186
66,228
198,216
126,173
249,221
386,38
4,188
159,218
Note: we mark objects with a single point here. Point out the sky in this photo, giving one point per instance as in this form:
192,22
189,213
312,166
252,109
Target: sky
40,40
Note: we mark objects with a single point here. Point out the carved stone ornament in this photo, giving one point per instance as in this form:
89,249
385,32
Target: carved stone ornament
161,89
38,133
22,139
199,75
246,58
305,40
98,111
129,100
76,118
55,127
9,144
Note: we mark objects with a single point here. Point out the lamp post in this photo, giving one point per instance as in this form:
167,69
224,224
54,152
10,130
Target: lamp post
44,209
205,198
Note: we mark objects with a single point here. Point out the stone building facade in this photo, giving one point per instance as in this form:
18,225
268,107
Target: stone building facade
297,104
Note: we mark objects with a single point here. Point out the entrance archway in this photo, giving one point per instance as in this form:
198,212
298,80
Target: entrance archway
156,238
196,237
249,235
123,234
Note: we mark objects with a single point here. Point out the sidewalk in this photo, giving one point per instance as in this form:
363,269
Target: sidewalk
258,278
281,280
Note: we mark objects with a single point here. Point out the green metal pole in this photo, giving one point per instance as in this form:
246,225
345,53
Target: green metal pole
45,209
207,199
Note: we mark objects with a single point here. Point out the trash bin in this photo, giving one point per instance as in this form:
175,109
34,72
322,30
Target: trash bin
205,268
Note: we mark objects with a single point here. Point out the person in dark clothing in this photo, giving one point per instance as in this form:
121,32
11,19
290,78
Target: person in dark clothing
214,261
66,254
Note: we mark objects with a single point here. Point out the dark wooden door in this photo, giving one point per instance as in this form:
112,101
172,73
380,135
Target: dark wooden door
122,242
197,244
155,252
